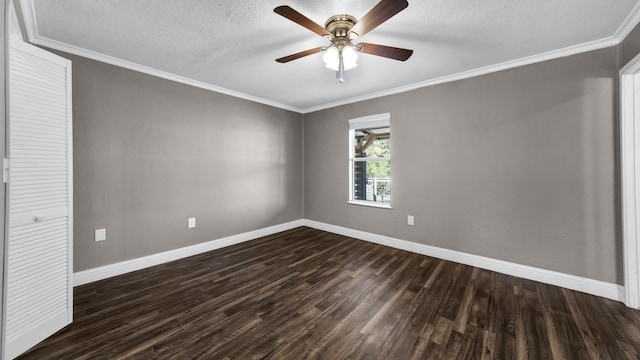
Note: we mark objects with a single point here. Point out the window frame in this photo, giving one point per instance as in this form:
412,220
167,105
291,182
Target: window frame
365,122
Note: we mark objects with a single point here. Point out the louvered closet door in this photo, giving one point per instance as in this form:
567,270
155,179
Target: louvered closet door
39,205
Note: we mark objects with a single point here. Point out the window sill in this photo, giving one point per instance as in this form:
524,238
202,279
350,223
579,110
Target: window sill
370,204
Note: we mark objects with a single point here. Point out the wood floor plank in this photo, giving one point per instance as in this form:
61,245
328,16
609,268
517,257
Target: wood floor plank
309,294
537,339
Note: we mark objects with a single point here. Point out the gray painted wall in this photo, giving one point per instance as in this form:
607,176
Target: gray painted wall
630,46
149,153
517,165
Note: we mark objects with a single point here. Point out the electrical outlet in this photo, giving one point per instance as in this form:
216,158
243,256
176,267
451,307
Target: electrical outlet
100,235
191,223
410,220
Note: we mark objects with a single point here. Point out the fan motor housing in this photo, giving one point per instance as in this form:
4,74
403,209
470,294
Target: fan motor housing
339,25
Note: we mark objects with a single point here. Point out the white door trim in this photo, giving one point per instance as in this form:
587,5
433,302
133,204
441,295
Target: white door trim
630,168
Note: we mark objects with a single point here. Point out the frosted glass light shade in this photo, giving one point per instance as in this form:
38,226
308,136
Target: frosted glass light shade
349,57
331,58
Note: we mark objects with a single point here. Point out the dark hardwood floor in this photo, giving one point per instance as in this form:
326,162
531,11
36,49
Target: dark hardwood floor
308,294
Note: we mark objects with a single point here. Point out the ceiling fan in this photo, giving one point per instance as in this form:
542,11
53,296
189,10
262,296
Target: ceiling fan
341,30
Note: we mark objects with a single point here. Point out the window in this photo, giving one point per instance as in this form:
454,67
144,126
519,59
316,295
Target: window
370,161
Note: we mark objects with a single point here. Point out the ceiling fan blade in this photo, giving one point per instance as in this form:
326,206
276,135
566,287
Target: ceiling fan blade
301,20
385,51
300,54
380,13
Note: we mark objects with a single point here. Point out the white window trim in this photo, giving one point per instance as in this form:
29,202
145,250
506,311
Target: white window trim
378,120
370,204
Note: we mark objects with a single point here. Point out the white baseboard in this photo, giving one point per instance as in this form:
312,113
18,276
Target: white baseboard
586,285
107,271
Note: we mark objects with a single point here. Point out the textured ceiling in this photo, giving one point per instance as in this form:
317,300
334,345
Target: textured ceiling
232,44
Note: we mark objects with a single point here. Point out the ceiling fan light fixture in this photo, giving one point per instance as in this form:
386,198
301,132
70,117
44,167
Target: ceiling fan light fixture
341,30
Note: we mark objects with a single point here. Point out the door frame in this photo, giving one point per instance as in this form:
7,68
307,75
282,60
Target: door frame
630,177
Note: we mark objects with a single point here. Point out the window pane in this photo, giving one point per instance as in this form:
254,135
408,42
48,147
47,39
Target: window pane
372,181
372,143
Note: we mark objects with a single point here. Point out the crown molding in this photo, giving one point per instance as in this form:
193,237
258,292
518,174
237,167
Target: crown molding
56,45
35,38
623,30
29,18
14,23
628,24
564,52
